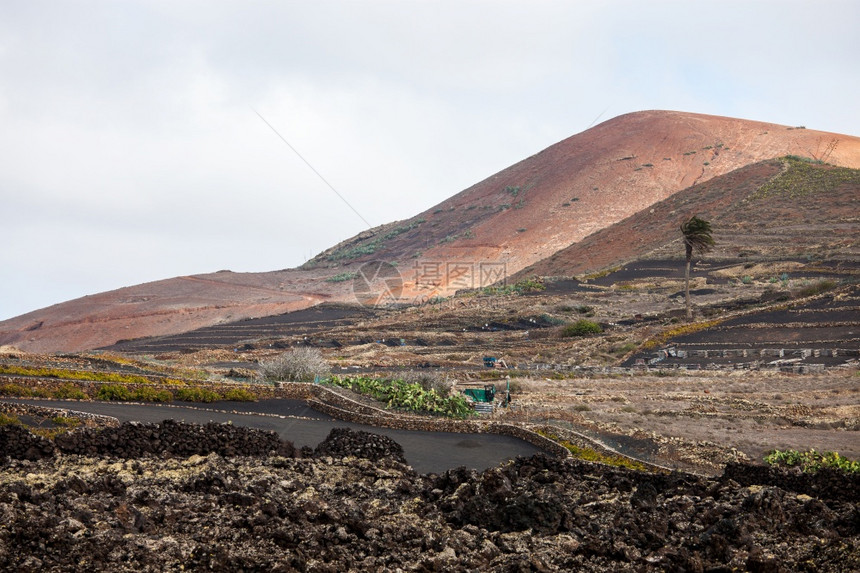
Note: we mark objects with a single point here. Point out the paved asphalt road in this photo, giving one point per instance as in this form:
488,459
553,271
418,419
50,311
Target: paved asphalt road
426,452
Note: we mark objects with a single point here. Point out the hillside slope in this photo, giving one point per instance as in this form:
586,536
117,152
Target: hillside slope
776,209
512,219
162,307
587,182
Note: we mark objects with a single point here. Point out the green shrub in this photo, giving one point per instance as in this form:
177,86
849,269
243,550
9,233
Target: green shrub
812,461
7,420
66,421
196,395
114,392
342,277
581,327
549,319
817,288
148,394
534,284
623,349
15,390
69,392
239,395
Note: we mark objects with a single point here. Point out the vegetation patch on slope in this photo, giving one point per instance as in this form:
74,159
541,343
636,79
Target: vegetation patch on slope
802,177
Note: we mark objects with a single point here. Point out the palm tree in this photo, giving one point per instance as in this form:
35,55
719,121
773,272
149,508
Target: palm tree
697,237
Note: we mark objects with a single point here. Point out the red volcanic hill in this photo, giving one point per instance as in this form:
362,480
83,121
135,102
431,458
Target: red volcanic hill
777,209
513,219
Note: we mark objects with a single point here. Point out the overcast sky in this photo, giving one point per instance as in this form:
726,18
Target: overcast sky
131,149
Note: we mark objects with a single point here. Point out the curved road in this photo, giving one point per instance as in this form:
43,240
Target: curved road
294,420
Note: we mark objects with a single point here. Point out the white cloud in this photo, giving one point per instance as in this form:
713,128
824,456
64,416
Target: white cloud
131,150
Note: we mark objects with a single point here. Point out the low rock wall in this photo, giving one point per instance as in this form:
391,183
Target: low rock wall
17,443
41,411
825,484
327,401
397,422
134,439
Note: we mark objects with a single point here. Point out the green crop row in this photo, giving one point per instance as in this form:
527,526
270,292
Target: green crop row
581,327
65,374
124,393
401,395
811,461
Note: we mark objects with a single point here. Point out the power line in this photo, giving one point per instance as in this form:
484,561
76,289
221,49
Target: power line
598,117
342,198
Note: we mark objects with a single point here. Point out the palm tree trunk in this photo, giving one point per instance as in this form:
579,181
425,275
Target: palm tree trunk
687,284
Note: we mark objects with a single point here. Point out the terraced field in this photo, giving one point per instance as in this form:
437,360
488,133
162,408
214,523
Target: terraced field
233,334
824,331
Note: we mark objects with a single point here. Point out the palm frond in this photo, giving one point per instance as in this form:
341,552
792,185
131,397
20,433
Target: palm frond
697,234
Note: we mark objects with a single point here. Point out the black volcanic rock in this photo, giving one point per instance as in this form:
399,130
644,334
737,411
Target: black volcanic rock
344,512
342,442
19,443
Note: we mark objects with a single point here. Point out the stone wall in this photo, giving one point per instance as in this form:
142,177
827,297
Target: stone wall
18,443
134,439
825,484
334,404
40,411
382,419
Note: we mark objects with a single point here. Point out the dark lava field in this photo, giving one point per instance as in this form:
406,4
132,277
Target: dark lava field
180,497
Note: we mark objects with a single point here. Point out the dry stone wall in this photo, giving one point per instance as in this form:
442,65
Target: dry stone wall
134,439
329,402
13,409
826,483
